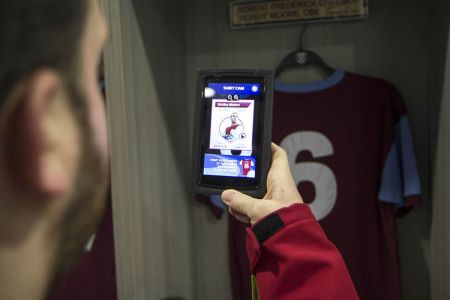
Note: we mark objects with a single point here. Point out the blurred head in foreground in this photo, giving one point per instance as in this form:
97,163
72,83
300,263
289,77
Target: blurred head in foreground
53,160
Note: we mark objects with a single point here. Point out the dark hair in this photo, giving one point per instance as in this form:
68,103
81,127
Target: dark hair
36,34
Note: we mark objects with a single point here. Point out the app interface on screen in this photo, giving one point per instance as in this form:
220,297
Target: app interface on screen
230,149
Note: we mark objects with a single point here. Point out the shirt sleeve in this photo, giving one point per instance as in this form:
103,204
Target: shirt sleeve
293,259
400,183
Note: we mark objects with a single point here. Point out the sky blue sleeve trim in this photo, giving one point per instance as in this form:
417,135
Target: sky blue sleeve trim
315,86
391,190
411,183
217,201
400,176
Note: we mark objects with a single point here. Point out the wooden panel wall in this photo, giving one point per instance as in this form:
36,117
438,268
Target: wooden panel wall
149,151
440,242
440,263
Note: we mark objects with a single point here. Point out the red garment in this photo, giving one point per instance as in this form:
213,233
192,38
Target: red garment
246,166
228,129
350,151
293,259
239,265
94,278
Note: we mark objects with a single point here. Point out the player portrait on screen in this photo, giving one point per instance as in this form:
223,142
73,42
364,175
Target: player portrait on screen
231,125
231,128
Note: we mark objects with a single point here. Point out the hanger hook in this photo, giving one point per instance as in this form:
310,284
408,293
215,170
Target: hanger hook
302,33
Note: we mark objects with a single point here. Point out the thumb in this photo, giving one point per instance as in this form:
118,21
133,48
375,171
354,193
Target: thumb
238,202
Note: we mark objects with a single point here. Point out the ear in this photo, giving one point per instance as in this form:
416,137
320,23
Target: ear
42,136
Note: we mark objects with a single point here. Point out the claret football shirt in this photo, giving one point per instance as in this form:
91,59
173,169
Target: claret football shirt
351,153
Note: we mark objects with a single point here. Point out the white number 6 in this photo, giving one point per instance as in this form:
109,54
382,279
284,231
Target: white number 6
318,174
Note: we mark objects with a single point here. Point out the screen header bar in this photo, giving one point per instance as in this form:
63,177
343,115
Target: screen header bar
235,88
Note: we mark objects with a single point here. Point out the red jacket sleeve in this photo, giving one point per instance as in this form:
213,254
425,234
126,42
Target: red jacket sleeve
292,258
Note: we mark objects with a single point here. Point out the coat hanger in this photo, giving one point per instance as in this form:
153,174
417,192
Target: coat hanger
303,57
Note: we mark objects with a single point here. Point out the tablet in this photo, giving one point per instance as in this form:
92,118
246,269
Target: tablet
232,131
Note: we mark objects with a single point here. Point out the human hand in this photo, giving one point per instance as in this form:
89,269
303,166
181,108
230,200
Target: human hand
281,192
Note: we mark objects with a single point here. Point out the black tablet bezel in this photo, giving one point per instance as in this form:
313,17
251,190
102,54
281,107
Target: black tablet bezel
209,184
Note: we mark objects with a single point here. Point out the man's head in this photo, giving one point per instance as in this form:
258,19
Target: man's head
53,146
234,117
